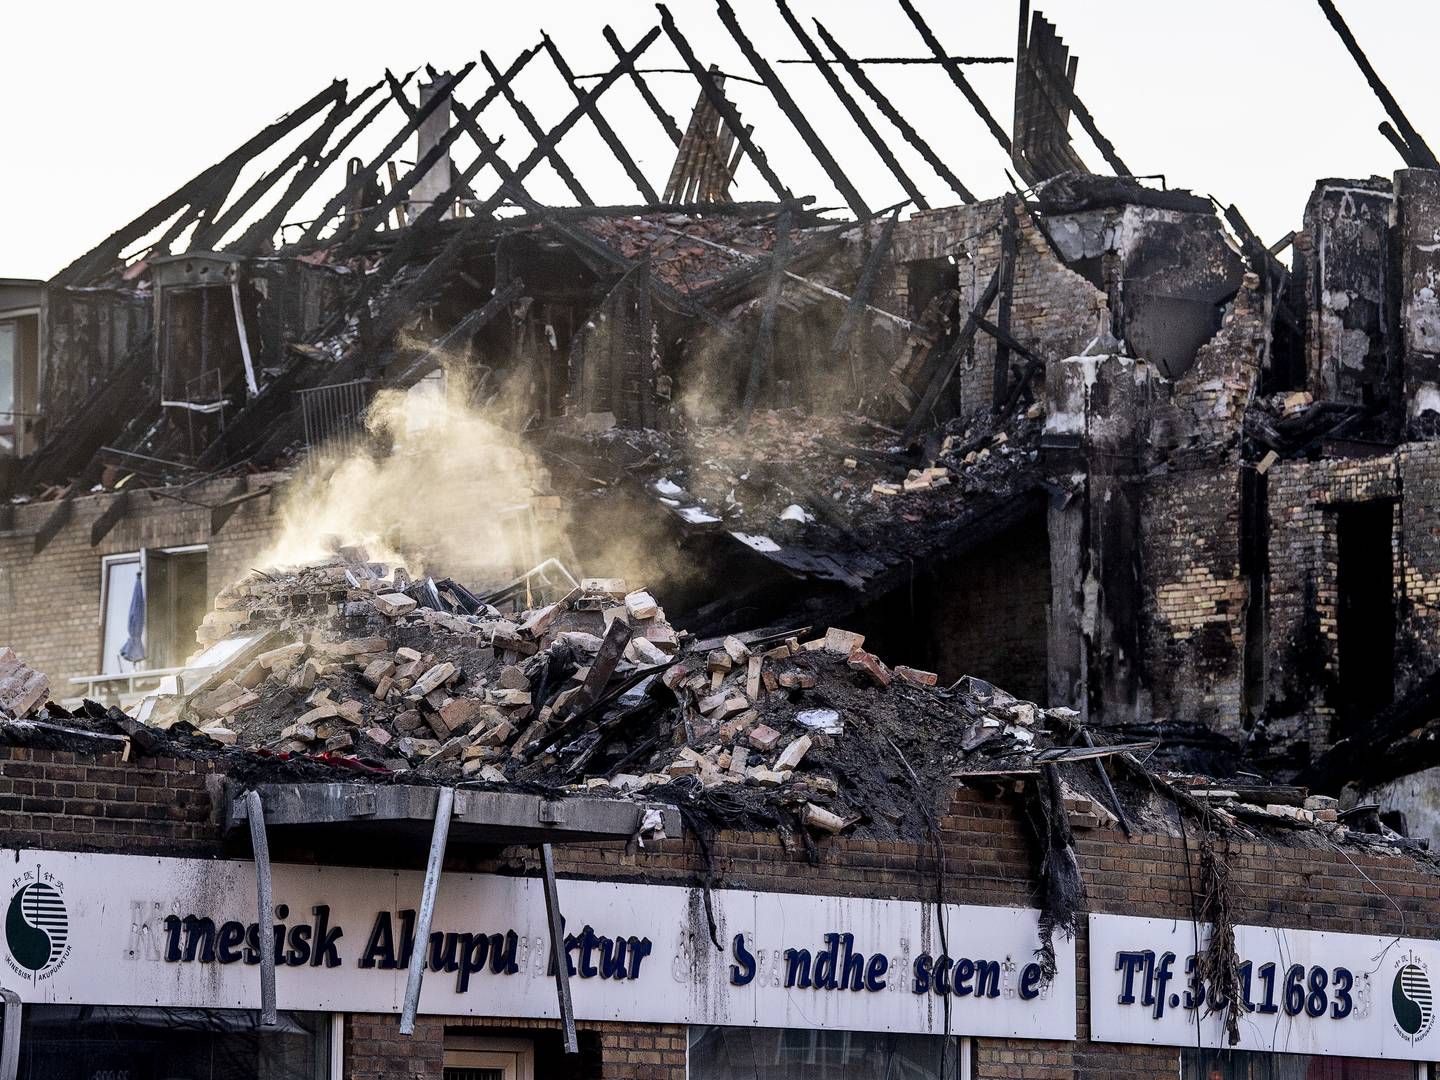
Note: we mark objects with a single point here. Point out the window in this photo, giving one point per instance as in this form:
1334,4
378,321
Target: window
19,383
736,1053
85,1042
1253,1065
151,603
469,1058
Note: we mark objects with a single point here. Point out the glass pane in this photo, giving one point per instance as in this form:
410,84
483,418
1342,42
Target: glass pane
729,1053
1251,1065
121,577
85,1042
9,354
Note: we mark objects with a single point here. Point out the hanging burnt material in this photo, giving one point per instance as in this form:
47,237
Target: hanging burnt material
1219,965
613,358
1062,893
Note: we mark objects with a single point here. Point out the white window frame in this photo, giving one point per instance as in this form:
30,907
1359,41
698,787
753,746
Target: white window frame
337,1046
514,1057
106,561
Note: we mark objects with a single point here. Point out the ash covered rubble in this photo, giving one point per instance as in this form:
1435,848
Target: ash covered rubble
345,669
338,668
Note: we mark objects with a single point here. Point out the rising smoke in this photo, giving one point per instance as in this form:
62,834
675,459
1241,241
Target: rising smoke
445,487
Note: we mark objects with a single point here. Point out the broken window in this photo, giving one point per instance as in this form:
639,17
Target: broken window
19,383
151,603
207,318
1365,615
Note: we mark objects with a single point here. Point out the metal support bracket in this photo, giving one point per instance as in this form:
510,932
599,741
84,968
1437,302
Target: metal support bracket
444,807
557,949
265,901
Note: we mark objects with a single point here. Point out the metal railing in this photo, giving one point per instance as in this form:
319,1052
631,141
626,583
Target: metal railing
334,415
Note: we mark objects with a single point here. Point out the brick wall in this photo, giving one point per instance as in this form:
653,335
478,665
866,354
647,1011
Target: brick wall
160,806
50,602
1210,398
1195,596
1053,309
62,800
1301,663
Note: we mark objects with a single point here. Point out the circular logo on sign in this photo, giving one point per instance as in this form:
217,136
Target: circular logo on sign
1412,999
37,928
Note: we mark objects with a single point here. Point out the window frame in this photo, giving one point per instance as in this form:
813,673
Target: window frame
514,1057
143,554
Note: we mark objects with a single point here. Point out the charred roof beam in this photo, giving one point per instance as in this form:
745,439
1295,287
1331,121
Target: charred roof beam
527,118
260,234
368,170
1421,155
956,75
857,114
792,112
888,110
102,257
607,133
672,129
308,151
721,104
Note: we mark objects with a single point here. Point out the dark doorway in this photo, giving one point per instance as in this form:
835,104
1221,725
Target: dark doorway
1365,620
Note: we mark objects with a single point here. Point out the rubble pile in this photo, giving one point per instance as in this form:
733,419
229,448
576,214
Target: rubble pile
790,475
345,664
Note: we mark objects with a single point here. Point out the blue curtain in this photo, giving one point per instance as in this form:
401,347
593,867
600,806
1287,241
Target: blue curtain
134,647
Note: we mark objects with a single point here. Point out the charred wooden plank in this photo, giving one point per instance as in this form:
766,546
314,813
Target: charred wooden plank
721,103
527,118
113,514
860,298
259,235
888,110
58,519
471,323
760,351
944,371
1008,256
666,120
101,257
607,133
792,112
857,114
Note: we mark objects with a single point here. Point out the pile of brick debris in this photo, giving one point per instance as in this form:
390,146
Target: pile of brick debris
348,668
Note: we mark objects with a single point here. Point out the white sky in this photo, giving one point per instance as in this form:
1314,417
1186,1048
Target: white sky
109,107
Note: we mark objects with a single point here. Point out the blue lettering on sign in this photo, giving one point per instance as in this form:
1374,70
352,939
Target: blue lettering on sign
1315,992
316,943
839,965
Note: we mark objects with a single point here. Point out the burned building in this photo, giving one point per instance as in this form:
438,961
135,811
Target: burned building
1093,441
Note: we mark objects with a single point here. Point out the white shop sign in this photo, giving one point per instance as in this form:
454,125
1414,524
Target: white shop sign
1304,991
131,930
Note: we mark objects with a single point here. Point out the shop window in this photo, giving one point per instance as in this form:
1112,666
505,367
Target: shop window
19,384
489,1059
742,1053
1255,1065
151,604
85,1042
